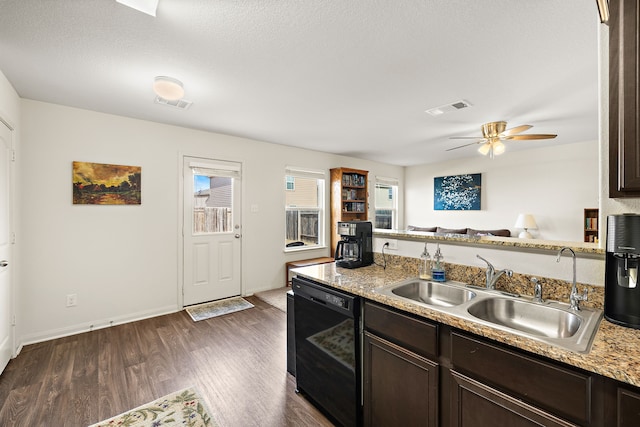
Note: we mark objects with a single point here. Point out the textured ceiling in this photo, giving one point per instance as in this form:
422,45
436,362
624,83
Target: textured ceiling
352,77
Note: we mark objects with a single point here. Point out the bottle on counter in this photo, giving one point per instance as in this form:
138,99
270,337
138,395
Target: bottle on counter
424,269
437,272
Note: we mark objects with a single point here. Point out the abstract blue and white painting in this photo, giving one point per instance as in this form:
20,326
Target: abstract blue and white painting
457,192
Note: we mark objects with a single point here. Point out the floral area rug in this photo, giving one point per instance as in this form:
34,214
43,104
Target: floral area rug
182,408
217,308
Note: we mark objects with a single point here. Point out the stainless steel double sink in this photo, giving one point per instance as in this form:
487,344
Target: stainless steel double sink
551,322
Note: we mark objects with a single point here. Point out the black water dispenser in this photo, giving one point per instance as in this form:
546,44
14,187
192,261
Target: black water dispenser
621,290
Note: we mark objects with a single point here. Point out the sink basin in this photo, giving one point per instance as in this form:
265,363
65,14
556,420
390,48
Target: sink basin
533,319
431,293
551,322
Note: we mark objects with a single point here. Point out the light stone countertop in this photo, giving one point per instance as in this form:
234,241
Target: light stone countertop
615,352
535,245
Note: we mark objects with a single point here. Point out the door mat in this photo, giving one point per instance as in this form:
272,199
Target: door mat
182,408
275,297
217,308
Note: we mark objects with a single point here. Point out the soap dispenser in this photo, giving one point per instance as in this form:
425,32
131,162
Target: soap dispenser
424,269
437,273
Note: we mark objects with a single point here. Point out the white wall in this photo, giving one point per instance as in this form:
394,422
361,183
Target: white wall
122,261
554,184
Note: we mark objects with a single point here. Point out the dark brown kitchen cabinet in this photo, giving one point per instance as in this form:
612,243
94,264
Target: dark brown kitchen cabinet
400,387
628,404
624,96
527,385
400,377
476,404
418,372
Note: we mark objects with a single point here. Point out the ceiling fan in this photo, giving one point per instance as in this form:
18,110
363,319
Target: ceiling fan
493,133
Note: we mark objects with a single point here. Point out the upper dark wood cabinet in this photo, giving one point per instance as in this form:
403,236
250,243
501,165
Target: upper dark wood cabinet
624,87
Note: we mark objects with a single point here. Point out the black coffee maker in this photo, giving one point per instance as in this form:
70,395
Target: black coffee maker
621,290
355,248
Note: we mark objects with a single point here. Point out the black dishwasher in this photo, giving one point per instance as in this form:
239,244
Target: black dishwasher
327,338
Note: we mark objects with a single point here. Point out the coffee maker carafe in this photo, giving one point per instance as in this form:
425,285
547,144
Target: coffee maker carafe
355,246
622,293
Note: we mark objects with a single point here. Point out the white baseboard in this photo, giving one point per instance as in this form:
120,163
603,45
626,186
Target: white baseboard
91,326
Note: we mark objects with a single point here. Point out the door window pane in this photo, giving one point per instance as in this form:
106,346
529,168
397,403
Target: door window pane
212,202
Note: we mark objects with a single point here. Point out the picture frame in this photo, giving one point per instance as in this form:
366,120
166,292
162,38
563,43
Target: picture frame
106,184
457,192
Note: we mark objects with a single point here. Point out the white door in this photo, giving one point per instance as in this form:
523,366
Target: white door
211,230
6,331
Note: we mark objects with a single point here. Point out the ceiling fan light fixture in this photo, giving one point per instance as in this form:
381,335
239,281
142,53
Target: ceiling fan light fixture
168,88
484,148
498,148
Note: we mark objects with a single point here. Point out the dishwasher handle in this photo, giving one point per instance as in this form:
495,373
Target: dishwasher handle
341,302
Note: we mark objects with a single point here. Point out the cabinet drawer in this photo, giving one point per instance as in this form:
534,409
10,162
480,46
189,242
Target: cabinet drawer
417,335
551,387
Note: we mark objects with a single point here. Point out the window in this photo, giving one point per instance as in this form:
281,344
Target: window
386,203
213,198
304,208
290,183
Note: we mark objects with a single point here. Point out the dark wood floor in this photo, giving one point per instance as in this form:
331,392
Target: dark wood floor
237,362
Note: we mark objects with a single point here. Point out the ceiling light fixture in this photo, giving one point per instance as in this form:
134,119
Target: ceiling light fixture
168,88
145,6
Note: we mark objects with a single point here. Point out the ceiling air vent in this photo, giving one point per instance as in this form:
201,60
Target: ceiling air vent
181,104
455,106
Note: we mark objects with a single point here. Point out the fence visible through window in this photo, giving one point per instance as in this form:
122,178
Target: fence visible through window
384,219
302,226
212,220
212,204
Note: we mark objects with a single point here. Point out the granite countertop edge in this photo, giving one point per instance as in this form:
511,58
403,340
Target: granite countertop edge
613,353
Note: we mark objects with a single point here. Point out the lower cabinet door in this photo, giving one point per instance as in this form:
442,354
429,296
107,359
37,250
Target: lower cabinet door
628,408
475,404
400,387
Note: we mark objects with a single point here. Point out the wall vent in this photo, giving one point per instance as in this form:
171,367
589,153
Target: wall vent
181,104
454,106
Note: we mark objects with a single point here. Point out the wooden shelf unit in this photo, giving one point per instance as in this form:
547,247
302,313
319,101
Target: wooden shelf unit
591,225
349,198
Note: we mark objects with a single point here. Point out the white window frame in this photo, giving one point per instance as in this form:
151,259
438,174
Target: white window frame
287,182
386,182
321,177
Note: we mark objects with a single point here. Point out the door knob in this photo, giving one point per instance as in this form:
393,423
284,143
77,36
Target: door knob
4,263
237,236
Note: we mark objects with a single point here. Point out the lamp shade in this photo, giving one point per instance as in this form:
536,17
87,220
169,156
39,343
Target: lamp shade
168,88
526,222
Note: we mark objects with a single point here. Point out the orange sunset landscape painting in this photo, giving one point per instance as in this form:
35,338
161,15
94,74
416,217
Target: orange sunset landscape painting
104,184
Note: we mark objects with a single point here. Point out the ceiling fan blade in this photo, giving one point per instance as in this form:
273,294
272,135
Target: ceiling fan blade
531,136
465,145
465,137
515,130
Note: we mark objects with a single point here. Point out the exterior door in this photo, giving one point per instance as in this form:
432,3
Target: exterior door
211,230
6,330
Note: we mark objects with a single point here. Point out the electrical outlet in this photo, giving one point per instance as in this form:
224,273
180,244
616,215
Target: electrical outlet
392,244
72,300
